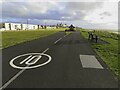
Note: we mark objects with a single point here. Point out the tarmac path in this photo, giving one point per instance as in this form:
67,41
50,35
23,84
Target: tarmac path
55,61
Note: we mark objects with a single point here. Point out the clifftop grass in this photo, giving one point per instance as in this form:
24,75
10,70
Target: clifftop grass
10,38
108,52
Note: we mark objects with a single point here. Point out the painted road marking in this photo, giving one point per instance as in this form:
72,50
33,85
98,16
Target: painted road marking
90,61
25,59
45,50
32,56
18,74
57,40
12,79
35,59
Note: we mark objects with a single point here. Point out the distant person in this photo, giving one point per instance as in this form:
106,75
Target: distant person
42,26
96,38
45,27
57,26
89,35
93,31
92,37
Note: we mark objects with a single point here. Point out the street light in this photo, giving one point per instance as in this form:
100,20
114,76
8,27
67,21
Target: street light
27,24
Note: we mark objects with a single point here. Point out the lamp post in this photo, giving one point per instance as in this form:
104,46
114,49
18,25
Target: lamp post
27,24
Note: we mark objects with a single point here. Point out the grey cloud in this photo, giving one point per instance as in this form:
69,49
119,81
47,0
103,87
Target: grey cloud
81,9
14,9
20,11
105,14
85,6
26,9
101,17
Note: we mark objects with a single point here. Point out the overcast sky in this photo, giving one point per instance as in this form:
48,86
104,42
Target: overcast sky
92,14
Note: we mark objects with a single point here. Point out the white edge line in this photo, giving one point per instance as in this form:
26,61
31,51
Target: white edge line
19,73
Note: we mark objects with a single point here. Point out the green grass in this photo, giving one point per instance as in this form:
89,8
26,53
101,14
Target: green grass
108,52
67,33
10,38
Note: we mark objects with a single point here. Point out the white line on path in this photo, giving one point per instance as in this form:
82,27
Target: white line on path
57,40
18,74
65,35
12,79
45,50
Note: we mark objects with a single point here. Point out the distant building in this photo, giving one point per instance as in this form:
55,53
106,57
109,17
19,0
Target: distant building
61,25
17,26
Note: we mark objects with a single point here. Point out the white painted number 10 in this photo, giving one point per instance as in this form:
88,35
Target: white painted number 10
30,60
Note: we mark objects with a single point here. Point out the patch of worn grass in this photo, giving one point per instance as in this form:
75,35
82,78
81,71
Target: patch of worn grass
108,52
10,38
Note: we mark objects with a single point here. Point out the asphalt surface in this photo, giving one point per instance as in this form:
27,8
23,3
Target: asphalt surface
63,71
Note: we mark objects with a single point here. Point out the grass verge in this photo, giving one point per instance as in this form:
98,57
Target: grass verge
108,52
10,38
